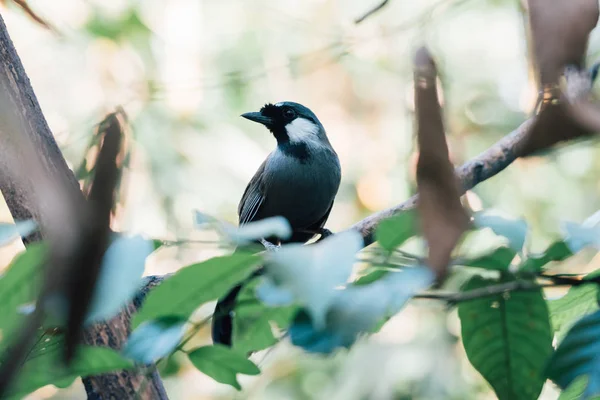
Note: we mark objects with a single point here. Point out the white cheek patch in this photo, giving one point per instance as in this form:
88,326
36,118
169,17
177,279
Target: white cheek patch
302,130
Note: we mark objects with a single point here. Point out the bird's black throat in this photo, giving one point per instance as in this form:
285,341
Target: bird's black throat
296,150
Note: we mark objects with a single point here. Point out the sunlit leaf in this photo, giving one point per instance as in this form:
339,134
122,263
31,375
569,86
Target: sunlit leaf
222,364
557,251
10,232
515,230
579,301
577,355
194,285
312,273
154,339
394,231
358,310
507,338
120,276
499,259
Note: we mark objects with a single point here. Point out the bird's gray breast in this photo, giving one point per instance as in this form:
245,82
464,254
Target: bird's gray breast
301,190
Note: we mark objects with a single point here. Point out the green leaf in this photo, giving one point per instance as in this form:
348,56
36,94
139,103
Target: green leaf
394,231
498,260
194,285
579,301
19,287
575,389
154,339
44,365
252,329
222,364
515,230
508,339
557,251
578,355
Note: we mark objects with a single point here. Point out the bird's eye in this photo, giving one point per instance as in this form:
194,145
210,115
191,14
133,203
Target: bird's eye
289,114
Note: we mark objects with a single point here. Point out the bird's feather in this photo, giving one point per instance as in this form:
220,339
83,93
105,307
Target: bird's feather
252,198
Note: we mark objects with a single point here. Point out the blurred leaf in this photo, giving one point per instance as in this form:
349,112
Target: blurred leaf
499,259
10,232
515,230
19,286
201,219
577,355
312,273
48,368
443,218
194,285
507,338
169,367
120,276
559,32
359,309
125,26
272,295
157,244
394,231
579,301
222,364
557,251
252,329
580,236
265,228
154,339
30,13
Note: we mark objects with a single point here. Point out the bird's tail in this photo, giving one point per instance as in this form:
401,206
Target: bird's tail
222,323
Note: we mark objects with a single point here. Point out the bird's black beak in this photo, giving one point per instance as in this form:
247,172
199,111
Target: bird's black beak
258,117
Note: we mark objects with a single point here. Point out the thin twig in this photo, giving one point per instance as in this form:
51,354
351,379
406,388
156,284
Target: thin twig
515,286
371,11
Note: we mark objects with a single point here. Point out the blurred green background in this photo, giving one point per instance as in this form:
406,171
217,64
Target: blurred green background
184,70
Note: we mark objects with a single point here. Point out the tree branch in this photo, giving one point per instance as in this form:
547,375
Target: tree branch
22,197
487,164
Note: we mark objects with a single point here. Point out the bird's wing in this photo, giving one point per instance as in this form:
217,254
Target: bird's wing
252,198
321,222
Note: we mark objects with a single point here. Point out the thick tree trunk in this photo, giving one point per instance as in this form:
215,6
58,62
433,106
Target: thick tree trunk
19,194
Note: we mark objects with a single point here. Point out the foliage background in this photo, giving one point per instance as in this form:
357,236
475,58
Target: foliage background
185,69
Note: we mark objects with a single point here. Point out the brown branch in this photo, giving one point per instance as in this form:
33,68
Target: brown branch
27,199
486,165
493,290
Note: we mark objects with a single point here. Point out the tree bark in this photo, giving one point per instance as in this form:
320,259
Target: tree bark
20,196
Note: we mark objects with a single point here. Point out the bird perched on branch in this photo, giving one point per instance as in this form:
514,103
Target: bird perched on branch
298,180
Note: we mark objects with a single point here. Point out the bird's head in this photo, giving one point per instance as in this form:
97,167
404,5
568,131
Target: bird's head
290,123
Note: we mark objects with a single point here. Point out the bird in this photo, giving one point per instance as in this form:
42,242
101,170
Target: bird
299,181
